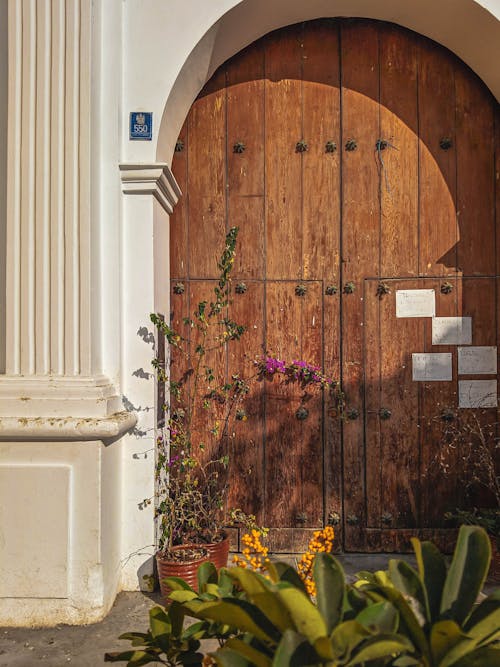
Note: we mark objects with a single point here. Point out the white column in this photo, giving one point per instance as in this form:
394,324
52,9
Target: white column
53,336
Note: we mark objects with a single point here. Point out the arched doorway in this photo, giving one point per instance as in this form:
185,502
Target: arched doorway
367,175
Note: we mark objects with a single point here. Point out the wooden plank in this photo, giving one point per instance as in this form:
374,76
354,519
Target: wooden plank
361,211
311,429
292,540
437,167
332,418
321,230
178,219
247,434
247,213
283,430
179,361
399,394
320,169
397,462
437,400
372,380
398,162
207,178
283,126
245,179
475,196
497,186
399,541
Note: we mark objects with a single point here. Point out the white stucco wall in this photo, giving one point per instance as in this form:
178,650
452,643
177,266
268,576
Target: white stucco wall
151,55
3,172
187,41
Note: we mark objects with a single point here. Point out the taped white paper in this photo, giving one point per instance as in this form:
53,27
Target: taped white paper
433,367
477,394
477,360
415,303
451,331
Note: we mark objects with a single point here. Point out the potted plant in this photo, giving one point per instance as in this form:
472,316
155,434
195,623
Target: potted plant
192,460
192,453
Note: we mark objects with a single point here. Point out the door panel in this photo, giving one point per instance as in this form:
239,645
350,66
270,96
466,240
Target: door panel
294,447
407,419
365,164
360,247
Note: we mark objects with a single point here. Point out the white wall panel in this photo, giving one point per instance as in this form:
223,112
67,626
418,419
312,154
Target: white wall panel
35,537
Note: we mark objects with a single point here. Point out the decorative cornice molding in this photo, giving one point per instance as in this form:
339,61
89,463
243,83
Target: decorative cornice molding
67,428
155,179
58,396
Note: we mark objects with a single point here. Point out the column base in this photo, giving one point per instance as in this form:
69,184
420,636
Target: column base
54,407
57,396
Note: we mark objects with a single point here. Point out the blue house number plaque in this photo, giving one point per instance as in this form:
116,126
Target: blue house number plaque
141,125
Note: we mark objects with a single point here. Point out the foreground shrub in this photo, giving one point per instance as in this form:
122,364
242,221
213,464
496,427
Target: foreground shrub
402,617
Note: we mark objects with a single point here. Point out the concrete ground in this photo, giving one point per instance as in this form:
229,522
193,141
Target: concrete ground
84,646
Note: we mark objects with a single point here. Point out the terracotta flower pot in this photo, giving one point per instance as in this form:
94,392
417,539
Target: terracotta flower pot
170,566
218,552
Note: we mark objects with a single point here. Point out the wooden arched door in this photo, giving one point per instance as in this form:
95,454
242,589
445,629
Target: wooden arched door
357,159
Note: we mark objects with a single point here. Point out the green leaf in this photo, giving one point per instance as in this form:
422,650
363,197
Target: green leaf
294,651
406,661
225,657
483,633
485,617
286,572
182,596
248,580
270,604
329,578
237,613
467,573
408,622
190,658
226,583
177,584
196,631
213,590
382,646
256,657
324,649
354,602
207,574
406,580
432,571
177,614
483,657
381,617
346,637
444,636
161,627
306,617
137,638
133,658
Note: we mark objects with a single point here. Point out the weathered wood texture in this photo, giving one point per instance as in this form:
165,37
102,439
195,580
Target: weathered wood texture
412,205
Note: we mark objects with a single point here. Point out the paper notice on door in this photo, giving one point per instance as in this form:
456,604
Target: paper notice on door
432,367
415,303
477,360
477,394
451,331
